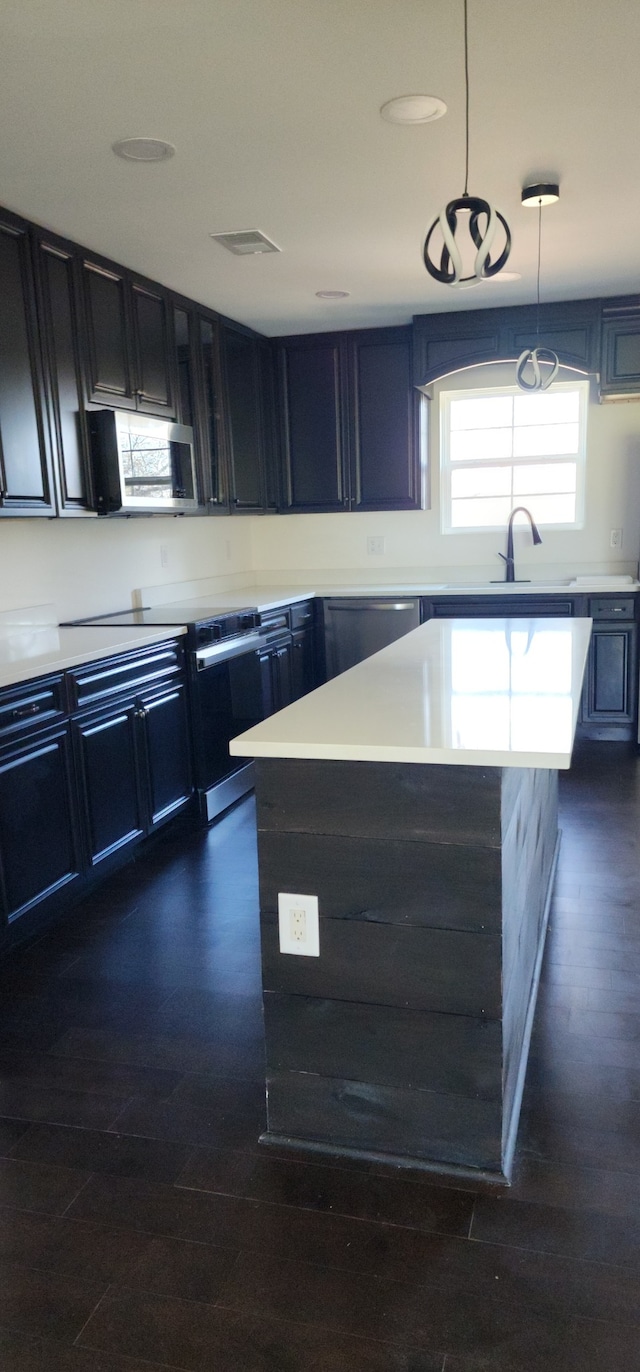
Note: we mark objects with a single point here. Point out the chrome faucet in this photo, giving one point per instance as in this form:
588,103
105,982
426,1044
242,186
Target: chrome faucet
510,573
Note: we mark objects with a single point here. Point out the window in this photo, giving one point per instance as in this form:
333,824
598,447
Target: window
501,448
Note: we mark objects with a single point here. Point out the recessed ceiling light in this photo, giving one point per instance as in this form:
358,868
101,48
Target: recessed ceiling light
413,109
332,295
143,149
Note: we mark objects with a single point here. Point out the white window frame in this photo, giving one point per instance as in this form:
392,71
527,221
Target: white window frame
581,385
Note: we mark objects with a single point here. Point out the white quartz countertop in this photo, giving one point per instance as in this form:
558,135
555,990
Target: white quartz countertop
28,651
468,692
274,597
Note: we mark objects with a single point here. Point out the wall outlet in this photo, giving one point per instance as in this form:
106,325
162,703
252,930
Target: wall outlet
164,555
375,546
298,922
615,539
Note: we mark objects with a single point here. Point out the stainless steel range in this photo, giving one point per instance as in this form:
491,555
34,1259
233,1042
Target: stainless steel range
225,691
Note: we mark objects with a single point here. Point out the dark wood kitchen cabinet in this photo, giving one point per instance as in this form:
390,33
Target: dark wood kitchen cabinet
132,746
445,343
107,746
40,849
620,369
40,852
386,444
241,376
312,388
26,483
609,698
209,417
350,422
129,348
304,649
59,305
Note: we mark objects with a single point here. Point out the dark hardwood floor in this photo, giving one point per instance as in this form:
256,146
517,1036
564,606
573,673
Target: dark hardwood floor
142,1228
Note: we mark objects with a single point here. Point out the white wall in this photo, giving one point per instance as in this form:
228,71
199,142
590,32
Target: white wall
330,545
92,566
88,566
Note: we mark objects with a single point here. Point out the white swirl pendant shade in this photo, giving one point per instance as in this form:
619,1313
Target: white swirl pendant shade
536,359
450,268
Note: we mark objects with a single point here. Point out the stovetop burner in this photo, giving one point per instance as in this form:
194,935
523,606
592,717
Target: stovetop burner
205,623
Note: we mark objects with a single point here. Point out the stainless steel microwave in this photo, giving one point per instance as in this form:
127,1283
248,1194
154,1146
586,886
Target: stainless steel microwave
141,464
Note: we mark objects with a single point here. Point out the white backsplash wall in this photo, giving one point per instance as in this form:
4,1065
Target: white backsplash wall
301,547
90,566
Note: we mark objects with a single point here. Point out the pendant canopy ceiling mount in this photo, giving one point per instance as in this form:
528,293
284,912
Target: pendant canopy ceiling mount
537,368
483,221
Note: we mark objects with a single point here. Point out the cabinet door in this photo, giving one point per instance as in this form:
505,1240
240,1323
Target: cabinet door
283,674
63,372
609,692
167,753
243,419
267,682
109,361
155,390
620,372
210,446
39,846
266,364
385,457
303,668
25,478
312,402
107,748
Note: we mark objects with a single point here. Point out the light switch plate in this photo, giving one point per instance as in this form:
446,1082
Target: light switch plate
298,922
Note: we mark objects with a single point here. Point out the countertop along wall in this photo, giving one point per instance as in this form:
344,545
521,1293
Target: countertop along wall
89,566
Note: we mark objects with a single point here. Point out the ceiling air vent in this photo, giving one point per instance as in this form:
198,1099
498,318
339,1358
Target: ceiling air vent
245,242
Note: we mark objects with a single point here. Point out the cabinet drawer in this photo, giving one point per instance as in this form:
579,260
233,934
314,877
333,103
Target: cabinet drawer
612,607
95,682
301,614
28,705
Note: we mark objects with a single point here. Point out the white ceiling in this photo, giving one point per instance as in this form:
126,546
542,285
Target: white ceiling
273,106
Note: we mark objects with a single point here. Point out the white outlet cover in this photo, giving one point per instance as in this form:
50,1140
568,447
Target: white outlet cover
287,903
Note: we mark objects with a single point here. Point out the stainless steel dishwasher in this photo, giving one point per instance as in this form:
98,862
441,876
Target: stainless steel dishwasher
356,628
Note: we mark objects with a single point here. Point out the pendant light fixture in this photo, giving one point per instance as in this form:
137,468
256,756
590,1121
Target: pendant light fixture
450,270
529,373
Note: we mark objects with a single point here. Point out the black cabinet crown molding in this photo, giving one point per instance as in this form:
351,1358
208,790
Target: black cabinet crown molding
445,343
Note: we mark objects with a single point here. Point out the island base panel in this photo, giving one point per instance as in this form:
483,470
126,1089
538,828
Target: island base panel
406,1039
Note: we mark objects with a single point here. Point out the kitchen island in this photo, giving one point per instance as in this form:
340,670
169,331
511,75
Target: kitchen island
416,797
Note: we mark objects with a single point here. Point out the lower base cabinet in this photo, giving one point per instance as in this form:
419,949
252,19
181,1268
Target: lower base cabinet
91,762
107,752
609,696
134,766
40,850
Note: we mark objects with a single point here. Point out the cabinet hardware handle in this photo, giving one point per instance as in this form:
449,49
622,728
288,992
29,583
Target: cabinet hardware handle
24,710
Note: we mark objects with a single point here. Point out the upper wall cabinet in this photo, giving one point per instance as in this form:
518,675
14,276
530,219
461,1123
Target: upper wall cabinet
129,340
59,311
248,406
349,422
445,343
26,485
620,376
209,419
312,404
385,465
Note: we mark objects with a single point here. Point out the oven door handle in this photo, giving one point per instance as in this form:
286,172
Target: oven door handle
222,652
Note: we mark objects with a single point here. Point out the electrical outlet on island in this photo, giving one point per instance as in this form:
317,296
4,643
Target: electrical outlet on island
298,924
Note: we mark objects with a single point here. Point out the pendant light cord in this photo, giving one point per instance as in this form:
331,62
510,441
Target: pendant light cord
466,81
538,277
